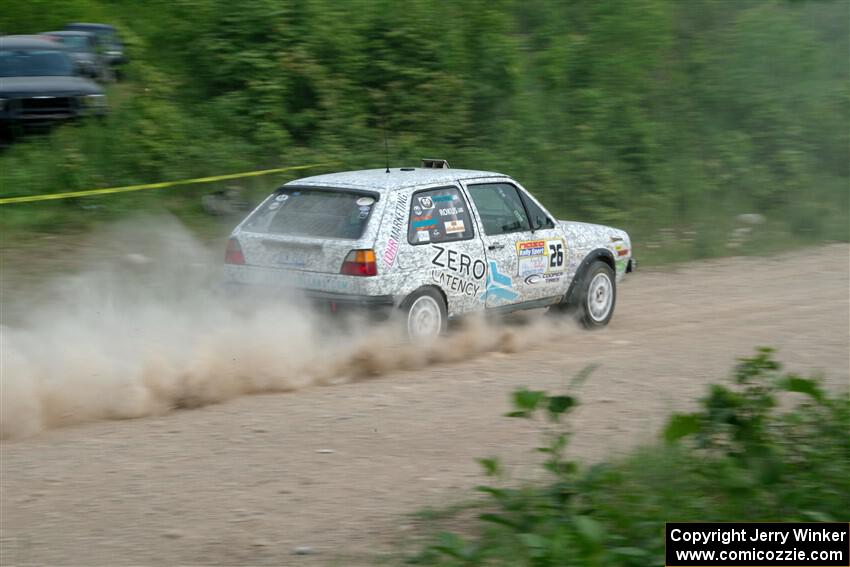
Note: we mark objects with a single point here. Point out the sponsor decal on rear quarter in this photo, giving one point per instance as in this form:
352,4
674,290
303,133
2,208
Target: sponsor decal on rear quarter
457,272
458,262
453,283
399,221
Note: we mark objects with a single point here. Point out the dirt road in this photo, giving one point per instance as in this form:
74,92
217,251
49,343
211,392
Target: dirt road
340,468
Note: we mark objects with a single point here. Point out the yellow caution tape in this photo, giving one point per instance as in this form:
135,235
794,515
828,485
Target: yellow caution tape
105,191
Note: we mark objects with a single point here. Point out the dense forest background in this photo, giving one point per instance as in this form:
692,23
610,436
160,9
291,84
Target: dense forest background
668,118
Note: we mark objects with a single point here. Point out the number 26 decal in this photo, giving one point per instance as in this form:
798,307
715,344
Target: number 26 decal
556,255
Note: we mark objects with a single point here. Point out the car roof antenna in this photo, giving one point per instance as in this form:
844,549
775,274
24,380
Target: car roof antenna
386,146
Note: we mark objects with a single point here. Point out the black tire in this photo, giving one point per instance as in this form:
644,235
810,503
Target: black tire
422,307
596,296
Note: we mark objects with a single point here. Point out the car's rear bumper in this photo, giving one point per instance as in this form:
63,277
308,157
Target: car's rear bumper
377,301
321,301
328,302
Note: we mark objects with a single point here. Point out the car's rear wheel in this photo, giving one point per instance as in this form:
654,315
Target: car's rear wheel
597,296
425,314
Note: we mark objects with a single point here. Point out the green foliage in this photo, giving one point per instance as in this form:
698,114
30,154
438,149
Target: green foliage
738,458
647,114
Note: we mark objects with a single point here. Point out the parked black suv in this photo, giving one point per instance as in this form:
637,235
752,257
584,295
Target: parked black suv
38,83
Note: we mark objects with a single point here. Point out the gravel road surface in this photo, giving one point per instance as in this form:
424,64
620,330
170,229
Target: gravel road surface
340,469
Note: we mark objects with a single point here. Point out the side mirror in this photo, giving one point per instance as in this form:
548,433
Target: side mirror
542,222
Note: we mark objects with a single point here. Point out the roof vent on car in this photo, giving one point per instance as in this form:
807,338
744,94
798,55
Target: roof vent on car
435,163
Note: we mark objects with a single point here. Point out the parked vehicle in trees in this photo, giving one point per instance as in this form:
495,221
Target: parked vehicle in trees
40,84
85,50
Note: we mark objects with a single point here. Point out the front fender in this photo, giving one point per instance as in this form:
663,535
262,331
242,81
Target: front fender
590,242
599,254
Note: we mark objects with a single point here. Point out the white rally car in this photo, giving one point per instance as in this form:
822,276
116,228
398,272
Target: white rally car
431,242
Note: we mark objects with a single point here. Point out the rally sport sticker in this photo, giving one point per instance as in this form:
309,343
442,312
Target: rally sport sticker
540,257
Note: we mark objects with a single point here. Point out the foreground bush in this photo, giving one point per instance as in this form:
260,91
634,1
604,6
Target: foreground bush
742,456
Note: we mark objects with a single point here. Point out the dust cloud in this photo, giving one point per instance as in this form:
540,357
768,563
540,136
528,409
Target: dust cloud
147,328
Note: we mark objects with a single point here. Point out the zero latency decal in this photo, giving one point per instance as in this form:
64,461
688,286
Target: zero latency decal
541,261
459,272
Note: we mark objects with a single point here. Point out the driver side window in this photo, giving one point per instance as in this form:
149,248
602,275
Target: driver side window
500,208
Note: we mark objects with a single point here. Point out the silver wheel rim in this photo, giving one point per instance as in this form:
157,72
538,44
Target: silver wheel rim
424,319
600,297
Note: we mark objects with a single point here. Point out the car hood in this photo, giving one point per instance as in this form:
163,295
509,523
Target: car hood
47,86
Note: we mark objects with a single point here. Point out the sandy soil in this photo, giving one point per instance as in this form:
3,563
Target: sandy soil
341,468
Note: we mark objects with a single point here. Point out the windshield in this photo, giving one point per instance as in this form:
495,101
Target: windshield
75,42
313,213
35,63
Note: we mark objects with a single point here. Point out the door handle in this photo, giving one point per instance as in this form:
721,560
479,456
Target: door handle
496,246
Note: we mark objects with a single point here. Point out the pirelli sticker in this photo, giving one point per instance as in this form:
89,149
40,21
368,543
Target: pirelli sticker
541,257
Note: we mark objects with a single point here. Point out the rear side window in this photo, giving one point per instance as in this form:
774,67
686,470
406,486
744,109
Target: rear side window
317,213
438,215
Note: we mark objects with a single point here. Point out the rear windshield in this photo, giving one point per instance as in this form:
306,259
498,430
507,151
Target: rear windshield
315,213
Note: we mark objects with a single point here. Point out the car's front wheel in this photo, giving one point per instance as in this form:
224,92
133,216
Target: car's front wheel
425,314
597,296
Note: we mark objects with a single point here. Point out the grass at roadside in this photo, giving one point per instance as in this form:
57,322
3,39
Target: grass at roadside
771,447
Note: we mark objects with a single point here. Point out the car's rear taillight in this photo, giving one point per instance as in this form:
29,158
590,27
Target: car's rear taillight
360,263
233,255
